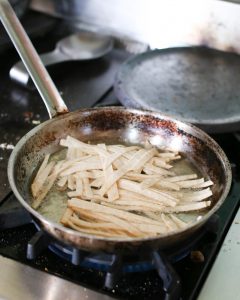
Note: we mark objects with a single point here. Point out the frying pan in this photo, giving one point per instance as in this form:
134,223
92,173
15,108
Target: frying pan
193,84
111,125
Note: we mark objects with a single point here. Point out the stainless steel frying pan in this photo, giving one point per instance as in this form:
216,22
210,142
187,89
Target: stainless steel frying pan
109,125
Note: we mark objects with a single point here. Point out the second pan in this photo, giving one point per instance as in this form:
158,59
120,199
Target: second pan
194,84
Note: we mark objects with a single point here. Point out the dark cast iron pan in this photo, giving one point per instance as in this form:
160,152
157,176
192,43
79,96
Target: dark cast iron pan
193,84
109,125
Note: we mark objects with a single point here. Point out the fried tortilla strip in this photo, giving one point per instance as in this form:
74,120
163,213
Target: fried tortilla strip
131,207
169,157
147,228
75,194
159,162
94,198
66,216
76,153
133,228
87,191
129,196
62,181
168,222
177,157
187,207
84,147
190,183
97,183
195,184
162,183
99,217
157,170
167,154
197,196
93,174
41,177
102,226
147,204
131,151
119,152
137,162
79,188
70,163
182,177
44,190
76,203
112,193
119,162
79,185
204,184
178,221
75,219
156,216
70,153
71,142
155,194
43,165
153,215
71,182
86,165
140,176
102,233
48,183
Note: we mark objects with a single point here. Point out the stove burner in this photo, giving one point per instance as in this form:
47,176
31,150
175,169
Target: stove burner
114,265
102,261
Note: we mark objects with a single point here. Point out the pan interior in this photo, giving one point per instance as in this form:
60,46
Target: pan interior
115,125
55,203
194,84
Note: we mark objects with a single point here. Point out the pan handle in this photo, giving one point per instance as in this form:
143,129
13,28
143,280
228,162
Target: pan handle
42,80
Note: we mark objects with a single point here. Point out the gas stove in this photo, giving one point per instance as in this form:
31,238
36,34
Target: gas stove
38,267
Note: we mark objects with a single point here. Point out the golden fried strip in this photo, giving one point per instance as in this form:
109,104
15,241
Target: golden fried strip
67,214
41,178
98,217
187,207
76,203
112,193
182,177
102,226
137,161
43,192
102,233
178,221
155,194
136,229
168,222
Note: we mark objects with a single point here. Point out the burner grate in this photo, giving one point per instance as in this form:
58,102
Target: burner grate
116,265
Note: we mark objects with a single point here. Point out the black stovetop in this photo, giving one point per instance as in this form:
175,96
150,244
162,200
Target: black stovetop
87,84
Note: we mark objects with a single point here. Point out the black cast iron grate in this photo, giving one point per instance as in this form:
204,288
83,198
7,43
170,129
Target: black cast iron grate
116,265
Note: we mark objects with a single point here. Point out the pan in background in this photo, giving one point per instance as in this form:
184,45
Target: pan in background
194,84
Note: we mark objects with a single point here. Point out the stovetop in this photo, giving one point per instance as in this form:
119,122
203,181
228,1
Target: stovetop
88,84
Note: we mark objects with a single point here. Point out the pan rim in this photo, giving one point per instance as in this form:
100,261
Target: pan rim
197,132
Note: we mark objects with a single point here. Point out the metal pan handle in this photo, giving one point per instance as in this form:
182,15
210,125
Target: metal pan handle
43,82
